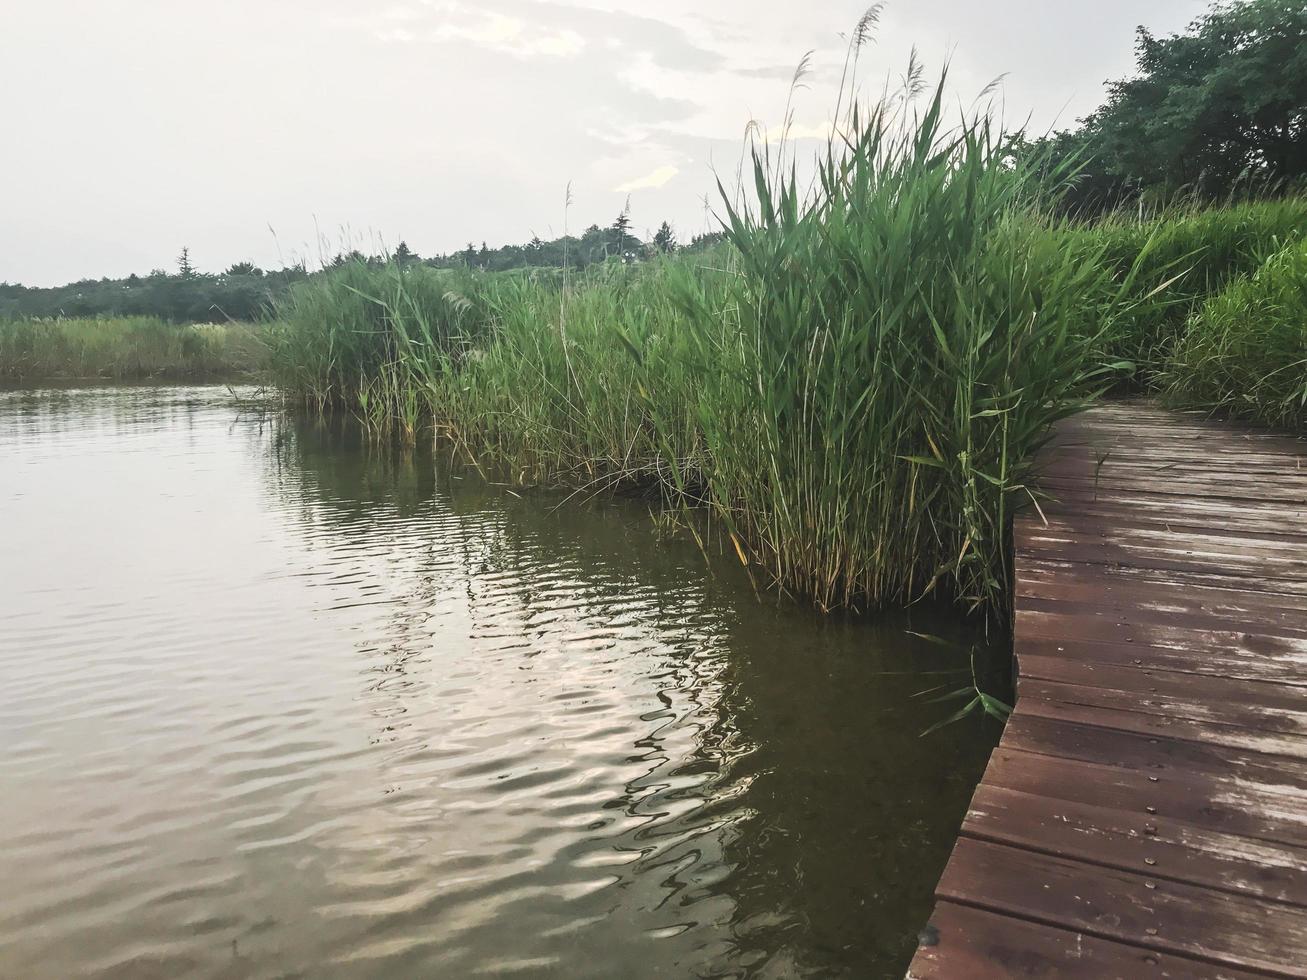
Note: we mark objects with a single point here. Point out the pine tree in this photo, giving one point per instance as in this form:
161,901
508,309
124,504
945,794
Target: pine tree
665,239
620,228
404,255
184,267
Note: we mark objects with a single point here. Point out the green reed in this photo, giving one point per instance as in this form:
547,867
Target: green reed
128,348
889,351
1180,258
1244,352
372,339
853,386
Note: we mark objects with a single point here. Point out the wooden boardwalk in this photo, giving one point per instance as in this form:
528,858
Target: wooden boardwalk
1145,814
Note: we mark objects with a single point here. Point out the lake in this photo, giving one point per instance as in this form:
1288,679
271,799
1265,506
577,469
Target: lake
276,701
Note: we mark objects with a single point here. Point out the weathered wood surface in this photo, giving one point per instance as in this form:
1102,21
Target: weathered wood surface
1145,814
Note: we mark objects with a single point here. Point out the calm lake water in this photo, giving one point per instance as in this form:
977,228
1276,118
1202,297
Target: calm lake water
274,703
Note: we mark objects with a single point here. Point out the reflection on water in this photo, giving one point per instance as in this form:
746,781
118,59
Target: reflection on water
277,704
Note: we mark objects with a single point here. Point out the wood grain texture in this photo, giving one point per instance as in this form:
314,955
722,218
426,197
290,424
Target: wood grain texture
982,945
1145,814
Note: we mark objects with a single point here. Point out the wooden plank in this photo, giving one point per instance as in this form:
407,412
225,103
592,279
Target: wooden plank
1171,432
1122,588
1093,526
1245,574
1204,702
1194,446
1069,441
1221,806
1169,428
1274,707
1144,599
1183,511
963,942
1090,474
1160,629
1164,539
1060,731
1133,908
1251,564
1213,489
1089,707
1134,452
1145,813
1257,659
1127,841
1123,576
1240,613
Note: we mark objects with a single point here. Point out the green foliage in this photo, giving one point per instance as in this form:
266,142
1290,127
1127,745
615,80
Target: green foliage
403,255
852,386
621,232
1245,352
1218,109
373,338
242,293
245,292
664,239
706,242
127,348
891,352
593,247
555,391
1179,259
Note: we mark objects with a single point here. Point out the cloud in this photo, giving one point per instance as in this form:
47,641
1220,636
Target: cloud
670,42
541,28
509,35
782,72
637,58
452,21
801,131
654,179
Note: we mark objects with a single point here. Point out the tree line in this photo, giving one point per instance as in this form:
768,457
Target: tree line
616,242
242,292
245,292
1219,110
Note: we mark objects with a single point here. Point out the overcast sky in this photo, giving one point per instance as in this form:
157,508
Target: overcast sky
274,130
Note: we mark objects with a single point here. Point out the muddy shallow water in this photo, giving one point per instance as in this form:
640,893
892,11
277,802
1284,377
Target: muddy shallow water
274,702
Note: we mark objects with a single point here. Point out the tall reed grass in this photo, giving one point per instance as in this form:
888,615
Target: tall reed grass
894,347
369,339
853,386
128,348
1181,257
1244,353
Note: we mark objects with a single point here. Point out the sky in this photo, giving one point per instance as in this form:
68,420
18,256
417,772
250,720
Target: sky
283,130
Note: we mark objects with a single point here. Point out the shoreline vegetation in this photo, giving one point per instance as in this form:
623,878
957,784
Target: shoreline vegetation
850,379
129,349
853,384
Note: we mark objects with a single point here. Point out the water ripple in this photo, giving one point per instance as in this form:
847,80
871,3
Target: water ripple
276,702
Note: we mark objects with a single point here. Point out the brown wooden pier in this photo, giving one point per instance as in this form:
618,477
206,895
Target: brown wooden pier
1145,814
